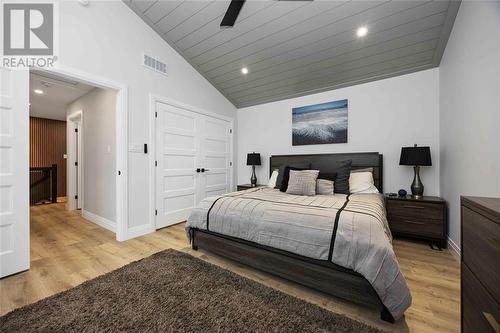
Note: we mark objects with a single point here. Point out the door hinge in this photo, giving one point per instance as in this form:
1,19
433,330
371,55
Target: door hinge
76,130
156,163
119,172
156,114
230,131
76,163
156,212
230,163
76,197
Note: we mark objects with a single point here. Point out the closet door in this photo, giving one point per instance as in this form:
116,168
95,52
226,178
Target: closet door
178,146
192,161
215,154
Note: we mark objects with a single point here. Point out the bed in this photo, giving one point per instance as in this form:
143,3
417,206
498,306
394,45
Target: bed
338,244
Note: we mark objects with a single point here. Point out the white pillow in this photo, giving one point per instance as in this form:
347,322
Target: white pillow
362,182
273,179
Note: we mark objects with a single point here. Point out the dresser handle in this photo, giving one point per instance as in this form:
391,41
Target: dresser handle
495,243
414,222
492,321
411,206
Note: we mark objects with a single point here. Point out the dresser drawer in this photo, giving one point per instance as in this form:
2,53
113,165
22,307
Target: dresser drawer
480,312
417,210
481,249
415,226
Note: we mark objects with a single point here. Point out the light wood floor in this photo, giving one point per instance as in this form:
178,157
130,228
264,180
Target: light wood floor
67,250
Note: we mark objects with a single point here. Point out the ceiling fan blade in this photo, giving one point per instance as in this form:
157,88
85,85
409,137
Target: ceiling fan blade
232,13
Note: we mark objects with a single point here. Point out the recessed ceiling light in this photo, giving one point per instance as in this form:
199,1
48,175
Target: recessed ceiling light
38,91
244,70
362,31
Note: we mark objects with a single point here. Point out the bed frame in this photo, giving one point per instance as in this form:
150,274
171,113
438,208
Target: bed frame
317,274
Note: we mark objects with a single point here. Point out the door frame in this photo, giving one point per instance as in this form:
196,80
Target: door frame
121,120
76,121
153,99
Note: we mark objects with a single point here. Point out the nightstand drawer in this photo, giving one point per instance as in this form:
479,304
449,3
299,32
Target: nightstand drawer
408,225
416,210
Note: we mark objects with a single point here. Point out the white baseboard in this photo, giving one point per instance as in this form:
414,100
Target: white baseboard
139,231
454,248
99,220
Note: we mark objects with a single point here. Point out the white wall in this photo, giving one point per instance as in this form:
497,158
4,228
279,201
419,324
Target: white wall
470,108
99,151
383,116
107,39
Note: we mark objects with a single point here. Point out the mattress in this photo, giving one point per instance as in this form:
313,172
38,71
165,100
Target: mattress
348,230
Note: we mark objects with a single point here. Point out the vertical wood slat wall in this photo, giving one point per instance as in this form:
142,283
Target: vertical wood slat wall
47,147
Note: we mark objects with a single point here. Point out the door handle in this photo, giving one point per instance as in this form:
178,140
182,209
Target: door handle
203,170
198,170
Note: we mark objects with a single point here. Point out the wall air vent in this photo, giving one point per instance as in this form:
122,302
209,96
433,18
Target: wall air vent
154,64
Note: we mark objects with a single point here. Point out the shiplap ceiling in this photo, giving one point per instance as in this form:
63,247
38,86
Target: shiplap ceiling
295,48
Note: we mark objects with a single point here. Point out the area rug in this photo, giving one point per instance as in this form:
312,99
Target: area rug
172,291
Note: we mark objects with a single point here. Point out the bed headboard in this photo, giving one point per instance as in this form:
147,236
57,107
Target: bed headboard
324,162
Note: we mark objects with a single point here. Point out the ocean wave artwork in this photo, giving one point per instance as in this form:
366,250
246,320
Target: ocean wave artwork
320,123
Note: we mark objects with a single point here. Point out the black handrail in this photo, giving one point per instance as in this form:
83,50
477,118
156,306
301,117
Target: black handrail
43,184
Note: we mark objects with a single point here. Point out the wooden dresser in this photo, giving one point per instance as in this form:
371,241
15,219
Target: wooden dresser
480,287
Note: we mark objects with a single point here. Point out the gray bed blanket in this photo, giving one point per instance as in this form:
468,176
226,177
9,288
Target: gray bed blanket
358,239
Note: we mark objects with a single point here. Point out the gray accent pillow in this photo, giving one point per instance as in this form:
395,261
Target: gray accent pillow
281,172
324,187
302,182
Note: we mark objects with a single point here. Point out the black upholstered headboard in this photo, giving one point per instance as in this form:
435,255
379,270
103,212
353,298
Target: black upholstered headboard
324,163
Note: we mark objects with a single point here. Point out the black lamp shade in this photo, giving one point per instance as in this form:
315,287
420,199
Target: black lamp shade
415,156
253,159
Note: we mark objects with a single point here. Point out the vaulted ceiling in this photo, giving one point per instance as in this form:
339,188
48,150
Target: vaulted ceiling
295,48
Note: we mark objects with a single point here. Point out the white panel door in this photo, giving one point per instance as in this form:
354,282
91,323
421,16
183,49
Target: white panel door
192,156
177,158
14,187
215,156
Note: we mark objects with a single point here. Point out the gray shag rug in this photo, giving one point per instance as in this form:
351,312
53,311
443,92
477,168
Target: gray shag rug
172,291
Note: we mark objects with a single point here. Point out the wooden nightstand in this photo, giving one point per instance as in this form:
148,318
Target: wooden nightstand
425,218
243,187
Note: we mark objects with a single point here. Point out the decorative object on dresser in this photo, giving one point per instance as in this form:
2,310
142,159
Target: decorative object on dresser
253,159
423,218
243,187
416,157
480,256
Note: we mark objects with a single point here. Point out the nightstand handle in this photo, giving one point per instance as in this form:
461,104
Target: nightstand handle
411,206
414,222
492,321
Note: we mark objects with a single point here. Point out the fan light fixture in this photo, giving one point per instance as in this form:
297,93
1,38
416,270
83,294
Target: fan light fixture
244,70
362,31
38,91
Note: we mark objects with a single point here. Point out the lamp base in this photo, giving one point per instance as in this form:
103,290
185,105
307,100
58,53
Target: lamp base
417,188
253,179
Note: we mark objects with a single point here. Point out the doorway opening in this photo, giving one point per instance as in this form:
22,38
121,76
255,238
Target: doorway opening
86,178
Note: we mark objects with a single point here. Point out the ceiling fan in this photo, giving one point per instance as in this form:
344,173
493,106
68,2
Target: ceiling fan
234,10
